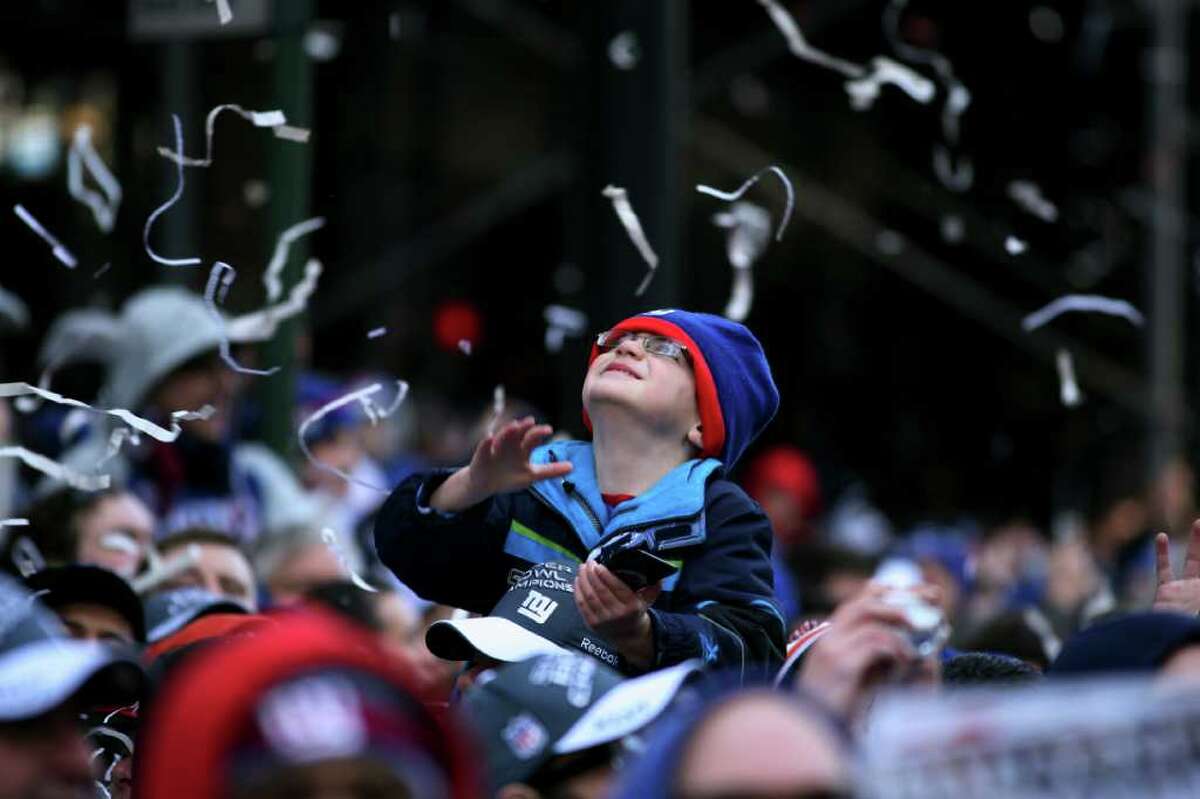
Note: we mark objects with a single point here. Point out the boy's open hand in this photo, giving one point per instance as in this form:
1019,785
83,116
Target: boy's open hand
1180,595
500,464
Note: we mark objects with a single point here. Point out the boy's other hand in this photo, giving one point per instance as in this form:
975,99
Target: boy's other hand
1178,595
617,612
500,464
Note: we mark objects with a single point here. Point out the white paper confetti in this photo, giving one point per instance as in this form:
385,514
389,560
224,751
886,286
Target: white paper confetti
749,234
116,440
102,270
749,229
55,470
162,209
158,570
562,322
464,346
498,403
1068,388
291,133
377,332
633,227
624,51
331,540
363,397
1029,197
65,256
5,524
221,277
224,13
1083,303
279,256
800,47
260,325
74,422
128,417
741,297
957,174
740,190
260,119
83,155
1015,246
883,70
28,559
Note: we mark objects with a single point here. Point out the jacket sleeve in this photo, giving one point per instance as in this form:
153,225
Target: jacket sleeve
723,608
453,559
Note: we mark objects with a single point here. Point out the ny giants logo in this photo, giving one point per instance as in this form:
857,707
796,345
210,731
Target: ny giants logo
537,606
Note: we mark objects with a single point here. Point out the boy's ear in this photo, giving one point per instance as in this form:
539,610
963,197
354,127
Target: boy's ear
695,437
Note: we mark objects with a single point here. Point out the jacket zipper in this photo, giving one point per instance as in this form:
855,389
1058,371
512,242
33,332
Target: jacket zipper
569,487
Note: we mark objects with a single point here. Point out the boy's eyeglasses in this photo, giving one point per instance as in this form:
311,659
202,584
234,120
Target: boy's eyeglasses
652,343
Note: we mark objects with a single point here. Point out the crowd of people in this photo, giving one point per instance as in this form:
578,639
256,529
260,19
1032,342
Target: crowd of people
640,614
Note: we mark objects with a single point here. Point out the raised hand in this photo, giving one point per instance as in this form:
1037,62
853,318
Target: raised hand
866,646
1182,594
500,464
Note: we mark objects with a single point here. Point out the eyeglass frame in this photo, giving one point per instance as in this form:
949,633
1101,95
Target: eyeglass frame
642,337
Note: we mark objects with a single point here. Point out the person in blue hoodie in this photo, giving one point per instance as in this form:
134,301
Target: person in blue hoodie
672,398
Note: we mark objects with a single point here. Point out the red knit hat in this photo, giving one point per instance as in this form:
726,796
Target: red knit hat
197,718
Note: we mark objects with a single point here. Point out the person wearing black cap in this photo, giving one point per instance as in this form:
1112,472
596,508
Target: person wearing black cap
168,612
537,616
673,398
551,725
92,602
46,679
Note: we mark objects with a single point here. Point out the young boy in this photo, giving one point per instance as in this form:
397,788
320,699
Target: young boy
673,398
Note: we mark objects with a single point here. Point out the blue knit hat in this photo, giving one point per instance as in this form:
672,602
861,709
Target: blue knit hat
735,393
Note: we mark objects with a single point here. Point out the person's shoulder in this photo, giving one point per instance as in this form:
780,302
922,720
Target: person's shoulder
729,496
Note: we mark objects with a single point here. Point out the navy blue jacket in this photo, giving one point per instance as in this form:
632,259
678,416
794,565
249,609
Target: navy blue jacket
719,607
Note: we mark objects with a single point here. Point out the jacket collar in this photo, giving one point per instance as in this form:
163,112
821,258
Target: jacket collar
672,510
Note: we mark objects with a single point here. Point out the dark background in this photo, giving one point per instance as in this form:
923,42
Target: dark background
458,152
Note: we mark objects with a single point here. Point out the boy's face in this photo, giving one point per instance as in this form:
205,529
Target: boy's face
659,390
